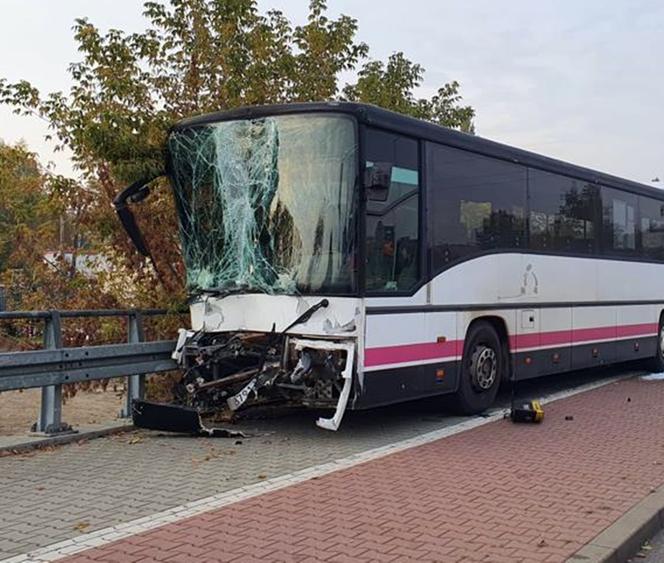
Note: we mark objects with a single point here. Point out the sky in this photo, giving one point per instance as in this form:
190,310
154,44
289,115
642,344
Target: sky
578,80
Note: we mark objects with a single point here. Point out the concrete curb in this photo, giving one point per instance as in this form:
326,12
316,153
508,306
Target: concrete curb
22,444
624,538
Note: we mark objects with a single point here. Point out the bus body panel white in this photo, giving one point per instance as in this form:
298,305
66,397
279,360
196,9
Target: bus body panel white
259,312
400,340
512,278
418,298
522,290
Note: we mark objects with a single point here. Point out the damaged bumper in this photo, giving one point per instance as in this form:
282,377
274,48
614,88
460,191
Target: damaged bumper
175,418
346,375
229,372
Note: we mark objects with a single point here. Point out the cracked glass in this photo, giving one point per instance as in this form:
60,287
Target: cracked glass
269,204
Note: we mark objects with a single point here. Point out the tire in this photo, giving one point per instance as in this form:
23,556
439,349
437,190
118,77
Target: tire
656,363
483,366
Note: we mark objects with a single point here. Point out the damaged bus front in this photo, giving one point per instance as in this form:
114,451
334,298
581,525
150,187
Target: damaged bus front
268,215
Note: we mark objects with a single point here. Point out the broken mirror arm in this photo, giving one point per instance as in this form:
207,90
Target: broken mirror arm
134,193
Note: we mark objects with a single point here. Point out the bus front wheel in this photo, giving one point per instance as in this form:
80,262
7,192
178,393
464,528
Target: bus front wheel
482,367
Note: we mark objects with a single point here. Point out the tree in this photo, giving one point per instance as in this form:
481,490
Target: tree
28,220
197,56
40,215
391,86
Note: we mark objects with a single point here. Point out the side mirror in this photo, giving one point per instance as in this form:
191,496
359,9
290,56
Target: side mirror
138,191
377,180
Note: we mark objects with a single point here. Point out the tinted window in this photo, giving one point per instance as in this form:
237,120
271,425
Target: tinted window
477,203
619,219
652,228
563,213
392,226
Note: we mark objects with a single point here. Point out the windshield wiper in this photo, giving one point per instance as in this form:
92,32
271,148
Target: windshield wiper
304,317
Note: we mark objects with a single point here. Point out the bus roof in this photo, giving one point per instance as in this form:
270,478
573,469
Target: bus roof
385,119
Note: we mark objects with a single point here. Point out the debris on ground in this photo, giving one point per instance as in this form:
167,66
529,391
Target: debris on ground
81,526
209,456
175,418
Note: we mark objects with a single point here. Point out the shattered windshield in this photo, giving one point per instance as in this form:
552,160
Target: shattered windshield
267,204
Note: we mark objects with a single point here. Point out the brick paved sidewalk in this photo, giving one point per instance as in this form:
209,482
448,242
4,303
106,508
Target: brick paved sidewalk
500,492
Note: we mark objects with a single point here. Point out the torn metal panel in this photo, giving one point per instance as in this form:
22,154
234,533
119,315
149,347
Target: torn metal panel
347,376
175,418
183,336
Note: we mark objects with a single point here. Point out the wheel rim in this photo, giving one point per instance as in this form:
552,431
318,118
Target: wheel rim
484,367
661,340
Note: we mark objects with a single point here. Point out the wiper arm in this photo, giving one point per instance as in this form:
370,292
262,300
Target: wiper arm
304,317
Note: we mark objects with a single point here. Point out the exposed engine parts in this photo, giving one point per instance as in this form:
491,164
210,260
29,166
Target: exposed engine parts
228,371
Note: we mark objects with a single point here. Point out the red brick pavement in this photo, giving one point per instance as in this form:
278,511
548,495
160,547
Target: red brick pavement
500,492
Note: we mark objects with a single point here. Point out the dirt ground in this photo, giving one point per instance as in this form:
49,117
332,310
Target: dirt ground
19,410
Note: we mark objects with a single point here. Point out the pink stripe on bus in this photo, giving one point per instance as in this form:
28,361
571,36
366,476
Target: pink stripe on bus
403,353
634,330
411,352
536,339
598,333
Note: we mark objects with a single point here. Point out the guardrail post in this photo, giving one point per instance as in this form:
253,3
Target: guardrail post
50,412
135,383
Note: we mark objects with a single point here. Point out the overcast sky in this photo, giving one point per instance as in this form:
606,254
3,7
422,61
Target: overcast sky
579,80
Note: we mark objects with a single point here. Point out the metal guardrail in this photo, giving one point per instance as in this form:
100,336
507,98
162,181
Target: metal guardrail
40,368
56,365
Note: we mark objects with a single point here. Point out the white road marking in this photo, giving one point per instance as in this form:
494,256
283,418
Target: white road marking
105,536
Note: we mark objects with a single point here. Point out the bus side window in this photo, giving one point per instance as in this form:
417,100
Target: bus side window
477,204
564,213
652,228
392,226
620,222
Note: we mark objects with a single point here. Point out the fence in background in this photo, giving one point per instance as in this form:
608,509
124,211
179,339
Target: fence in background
56,365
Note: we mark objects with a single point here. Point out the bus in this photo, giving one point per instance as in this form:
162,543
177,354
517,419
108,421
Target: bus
342,256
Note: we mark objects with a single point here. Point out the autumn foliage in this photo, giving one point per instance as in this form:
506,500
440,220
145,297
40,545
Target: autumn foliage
195,56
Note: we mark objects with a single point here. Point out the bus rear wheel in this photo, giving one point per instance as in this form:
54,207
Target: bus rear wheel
656,363
482,368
